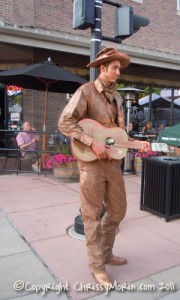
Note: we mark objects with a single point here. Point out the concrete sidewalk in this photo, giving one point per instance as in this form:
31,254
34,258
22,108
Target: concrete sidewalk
38,254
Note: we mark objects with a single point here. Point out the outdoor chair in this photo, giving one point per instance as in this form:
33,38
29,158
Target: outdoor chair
14,152
10,151
2,154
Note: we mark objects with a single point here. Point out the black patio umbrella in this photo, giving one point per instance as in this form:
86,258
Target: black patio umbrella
46,76
42,75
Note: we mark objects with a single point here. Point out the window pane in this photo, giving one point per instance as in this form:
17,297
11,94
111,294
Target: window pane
178,4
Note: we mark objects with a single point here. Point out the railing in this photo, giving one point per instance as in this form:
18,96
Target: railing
11,160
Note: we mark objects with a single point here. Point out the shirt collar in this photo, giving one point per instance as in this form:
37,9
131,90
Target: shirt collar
98,85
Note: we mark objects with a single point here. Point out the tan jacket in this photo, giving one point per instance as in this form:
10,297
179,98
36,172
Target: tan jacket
90,102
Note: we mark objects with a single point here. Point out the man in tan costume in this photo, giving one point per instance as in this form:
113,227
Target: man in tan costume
101,181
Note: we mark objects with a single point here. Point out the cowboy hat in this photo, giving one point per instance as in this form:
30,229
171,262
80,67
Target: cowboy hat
109,54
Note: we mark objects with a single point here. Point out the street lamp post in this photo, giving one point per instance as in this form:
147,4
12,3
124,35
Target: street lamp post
96,37
129,97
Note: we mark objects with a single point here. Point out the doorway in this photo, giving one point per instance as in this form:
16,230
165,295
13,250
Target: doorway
2,116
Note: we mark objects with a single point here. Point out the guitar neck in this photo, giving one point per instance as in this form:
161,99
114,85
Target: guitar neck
129,144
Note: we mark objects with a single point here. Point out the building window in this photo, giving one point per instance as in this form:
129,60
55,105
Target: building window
15,106
138,1
178,4
178,7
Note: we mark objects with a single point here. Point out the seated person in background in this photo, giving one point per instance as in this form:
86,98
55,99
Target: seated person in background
27,141
135,126
131,129
161,126
148,128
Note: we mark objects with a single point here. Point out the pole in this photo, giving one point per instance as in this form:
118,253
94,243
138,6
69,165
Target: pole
128,106
172,107
127,168
44,127
96,37
150,106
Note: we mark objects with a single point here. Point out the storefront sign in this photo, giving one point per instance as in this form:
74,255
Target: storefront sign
13,90
15,116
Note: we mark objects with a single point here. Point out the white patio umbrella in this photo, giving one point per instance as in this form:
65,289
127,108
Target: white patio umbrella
155,97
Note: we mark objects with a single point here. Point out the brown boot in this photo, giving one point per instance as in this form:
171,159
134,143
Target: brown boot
115,260
102,278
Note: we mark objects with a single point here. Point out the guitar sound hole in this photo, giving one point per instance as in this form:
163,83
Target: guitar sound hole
109,141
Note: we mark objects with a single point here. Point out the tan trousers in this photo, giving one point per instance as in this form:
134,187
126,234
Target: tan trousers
101,182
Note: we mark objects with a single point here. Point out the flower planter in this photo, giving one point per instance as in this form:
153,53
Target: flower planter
67,172
138,165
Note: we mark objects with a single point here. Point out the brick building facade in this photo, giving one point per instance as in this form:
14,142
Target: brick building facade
33,30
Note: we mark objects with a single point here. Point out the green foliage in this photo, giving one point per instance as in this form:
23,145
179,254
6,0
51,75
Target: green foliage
149,89
63,149
121,85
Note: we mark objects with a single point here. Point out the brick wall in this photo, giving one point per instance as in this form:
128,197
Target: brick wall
6,11
60,58
23,12
33,109
18,12
163,32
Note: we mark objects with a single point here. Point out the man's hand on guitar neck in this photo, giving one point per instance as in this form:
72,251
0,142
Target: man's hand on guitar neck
145,146
100,149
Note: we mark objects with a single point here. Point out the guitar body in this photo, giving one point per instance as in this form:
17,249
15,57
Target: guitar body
95,130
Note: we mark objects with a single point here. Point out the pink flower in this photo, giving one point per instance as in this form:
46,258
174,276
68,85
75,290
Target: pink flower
58,159
146,154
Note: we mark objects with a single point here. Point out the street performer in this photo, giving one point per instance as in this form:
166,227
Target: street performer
101,180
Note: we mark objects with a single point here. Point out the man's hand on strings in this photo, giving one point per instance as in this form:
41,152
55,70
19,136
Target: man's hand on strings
100,149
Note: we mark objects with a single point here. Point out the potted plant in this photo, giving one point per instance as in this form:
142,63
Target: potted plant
63,163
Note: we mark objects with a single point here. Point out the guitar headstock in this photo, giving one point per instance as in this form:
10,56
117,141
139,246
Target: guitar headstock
160,147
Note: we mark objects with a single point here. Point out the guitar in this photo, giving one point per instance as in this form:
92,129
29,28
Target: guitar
115,137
